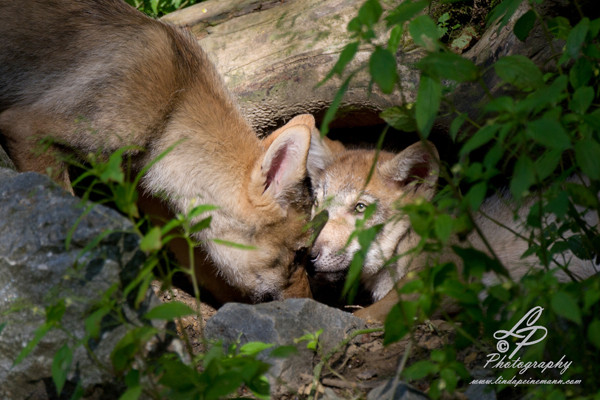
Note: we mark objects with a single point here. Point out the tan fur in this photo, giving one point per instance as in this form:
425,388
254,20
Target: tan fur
342,183
97,75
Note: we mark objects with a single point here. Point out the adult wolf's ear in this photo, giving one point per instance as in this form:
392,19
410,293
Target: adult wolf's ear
417,166
283,166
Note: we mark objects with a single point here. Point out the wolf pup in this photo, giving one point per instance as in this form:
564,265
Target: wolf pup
97,75
339,180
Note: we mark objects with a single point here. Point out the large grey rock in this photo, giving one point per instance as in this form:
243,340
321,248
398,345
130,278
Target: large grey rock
481,392
37,270
280,322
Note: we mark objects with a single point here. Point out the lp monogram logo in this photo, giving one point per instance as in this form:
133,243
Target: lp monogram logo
524,329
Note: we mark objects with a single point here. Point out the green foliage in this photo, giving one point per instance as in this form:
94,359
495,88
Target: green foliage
311,339
158,8
540,139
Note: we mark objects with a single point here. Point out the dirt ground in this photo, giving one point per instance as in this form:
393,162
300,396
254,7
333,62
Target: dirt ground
352,373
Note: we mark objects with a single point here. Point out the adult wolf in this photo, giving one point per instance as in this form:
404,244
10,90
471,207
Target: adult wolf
339,179
97,75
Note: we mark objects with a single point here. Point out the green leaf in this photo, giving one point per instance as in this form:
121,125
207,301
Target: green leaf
154,6
399,118
132,393
112,170
347,54
405,11
590,298
253,348
201,209
312,339
581,72
593,333
420,370
499,292
550,133
55,312
429,97
443,227
92,322
582,99
481,137
582,195
176,375
559,27
577,37
152,240
370,12
523,177
125,198
352,277
40,332
132,378
524,25
477,262
593,119
131,343
283,351
398,321
450,378
459,291
504,10
382,66
587,154
223,383
543,97
559,204
354,25
60,367
564,304
200,226
449,66
169,311
476,195
2,326
547,163
456,124
396,35
233,244
519,71
424,32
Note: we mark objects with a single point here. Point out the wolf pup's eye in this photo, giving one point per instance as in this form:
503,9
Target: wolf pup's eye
360,208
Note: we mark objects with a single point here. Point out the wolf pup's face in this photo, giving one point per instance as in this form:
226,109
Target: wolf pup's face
340,186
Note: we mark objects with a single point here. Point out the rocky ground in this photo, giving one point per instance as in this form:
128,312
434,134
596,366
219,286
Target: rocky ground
359,367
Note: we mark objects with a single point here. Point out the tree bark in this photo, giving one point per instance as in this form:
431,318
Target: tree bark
273,54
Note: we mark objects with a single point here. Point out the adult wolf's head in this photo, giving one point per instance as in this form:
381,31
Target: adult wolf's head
341,185
272,210
257,231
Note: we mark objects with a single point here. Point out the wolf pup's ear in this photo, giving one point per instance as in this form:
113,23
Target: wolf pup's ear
283,166
417,166
322,153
